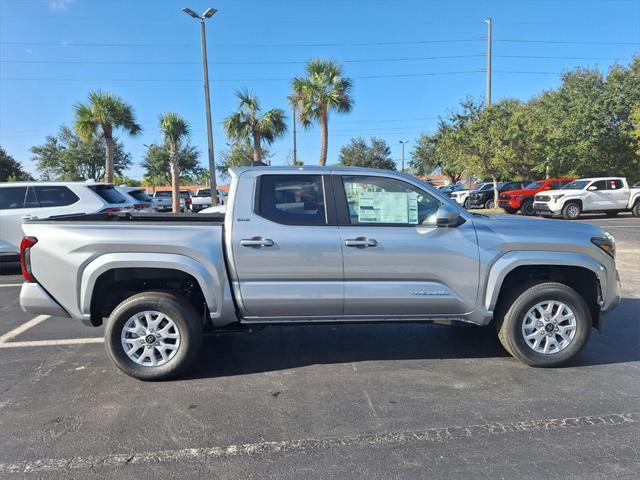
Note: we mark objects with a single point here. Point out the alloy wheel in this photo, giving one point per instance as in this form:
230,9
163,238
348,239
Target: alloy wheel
549,327
150,338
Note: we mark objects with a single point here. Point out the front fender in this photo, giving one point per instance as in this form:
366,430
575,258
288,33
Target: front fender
210,282
511,260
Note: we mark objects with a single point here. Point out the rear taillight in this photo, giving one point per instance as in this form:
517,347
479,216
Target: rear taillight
188,201
110,210
25,257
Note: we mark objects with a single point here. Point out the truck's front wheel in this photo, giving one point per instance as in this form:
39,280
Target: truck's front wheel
153,335
544,324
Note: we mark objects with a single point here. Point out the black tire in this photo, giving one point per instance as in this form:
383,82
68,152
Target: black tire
510,211
466,203
611,214
179,310
513,309
635,211
571,210
527,208
489,204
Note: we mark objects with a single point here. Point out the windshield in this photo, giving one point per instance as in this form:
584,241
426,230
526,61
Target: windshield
576,185
533,186
486,186
203,193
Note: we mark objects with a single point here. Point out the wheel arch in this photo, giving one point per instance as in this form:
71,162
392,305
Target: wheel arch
109,276
582,273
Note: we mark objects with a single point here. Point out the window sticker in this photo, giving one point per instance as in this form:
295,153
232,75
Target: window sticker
388,207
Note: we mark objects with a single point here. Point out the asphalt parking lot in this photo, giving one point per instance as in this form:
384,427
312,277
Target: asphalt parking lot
383,401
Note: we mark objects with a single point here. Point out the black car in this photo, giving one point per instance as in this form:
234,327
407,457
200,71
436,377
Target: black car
485,199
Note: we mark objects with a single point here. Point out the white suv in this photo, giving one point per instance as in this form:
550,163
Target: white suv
49,199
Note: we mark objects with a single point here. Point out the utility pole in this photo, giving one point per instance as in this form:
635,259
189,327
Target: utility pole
295,149
403,142
207,107
489,23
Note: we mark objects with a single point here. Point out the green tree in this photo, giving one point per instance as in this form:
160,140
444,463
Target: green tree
239,154
324,89
158,169
248,124
438,151
105,113
10,169
175,129
358,154
65,156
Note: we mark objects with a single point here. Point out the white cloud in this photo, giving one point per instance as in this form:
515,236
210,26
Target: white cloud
59,4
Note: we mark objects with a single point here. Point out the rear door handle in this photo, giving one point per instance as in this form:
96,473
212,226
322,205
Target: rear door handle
361,242
256,242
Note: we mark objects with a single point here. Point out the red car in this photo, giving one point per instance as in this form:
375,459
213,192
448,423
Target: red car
522,200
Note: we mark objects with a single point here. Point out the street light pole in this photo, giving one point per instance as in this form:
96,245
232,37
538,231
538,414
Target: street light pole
207,100
489,23
403,142
295,147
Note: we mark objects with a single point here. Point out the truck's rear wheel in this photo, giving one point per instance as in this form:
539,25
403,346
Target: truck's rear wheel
636,209
571,211
153,335
544,324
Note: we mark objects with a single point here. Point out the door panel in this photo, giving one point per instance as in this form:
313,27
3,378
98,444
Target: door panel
411,270
286,269
401,263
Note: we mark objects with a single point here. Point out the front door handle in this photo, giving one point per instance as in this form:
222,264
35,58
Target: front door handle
256,242
361,242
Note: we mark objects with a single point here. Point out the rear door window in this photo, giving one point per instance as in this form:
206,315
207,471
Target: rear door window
108,193
615,184
12,198
55,196
292,199
600,185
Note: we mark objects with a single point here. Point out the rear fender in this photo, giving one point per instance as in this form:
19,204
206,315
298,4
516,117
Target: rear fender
210,283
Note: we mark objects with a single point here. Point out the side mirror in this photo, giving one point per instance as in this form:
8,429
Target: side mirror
448,217
592,188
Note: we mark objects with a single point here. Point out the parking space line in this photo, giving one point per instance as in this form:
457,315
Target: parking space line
52,343
23,328
5,285
365,440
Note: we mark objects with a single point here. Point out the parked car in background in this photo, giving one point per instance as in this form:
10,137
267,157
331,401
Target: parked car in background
522,199
461,194
164,202
201,199
137,196
311,245
609,195
484,198
49,199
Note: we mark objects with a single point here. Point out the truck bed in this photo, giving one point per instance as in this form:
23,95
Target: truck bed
180,218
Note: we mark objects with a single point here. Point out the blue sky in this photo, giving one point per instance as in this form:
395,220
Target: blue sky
53,52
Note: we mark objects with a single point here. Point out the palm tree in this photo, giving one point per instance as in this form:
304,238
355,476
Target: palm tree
324,89
105,112
174,128
247,123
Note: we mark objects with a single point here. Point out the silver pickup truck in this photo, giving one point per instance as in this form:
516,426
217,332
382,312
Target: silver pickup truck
315,245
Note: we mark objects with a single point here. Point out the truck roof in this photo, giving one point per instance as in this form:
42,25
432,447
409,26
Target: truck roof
237,171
